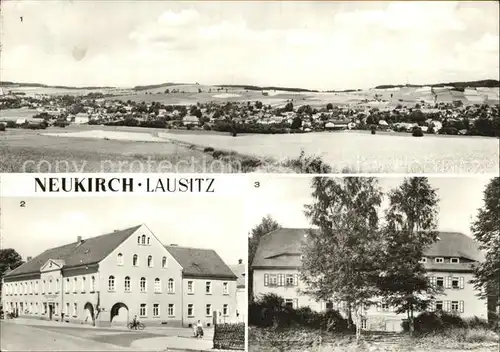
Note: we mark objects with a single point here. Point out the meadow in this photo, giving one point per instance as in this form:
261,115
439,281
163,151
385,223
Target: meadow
359,151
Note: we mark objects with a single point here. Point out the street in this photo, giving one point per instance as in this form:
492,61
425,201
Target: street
36,335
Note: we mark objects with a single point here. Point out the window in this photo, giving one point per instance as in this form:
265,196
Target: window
67,309
423,260
156,310
75,309
148,240
208,288
135,261
75,284
454,260
111,283
67,285
164,262
225,288
127,283
208,310
37,308
385,307
31,288
440,281
119,259
439,305
289,280
84,284
142,310
454,306
363,324
157,285
150,261
92,284
142,284
49,290
190,311
190,287
329,306
455,283
225,310
171,310
439,260
171,287
273,279
138,239
143,239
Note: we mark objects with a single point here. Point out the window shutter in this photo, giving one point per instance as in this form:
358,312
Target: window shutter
295,279
447,306
295,303
266,279
433,281
461,306
449,282
281,277
461,282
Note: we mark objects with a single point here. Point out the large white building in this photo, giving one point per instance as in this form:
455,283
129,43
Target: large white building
448,262
111,278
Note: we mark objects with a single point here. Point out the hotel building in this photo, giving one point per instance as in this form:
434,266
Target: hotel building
109,279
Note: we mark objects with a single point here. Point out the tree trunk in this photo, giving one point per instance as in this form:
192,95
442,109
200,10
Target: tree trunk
411,322
358,323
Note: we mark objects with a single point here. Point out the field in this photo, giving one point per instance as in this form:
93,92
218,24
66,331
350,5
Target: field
359,151
14,114
345,152
29,151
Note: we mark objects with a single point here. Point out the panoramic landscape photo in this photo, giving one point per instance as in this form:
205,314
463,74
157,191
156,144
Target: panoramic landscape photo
288,87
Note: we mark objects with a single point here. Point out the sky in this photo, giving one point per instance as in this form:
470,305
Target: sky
283,198
201,222
316,45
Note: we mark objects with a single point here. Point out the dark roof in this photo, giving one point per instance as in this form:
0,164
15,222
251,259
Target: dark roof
91,251
198,262
239,271
282,248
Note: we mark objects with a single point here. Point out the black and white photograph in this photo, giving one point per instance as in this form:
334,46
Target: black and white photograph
249,86
374,264
123,273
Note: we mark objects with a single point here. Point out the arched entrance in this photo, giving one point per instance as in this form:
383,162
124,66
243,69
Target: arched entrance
89,313
119,314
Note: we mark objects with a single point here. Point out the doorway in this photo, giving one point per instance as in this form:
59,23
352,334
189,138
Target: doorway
51,310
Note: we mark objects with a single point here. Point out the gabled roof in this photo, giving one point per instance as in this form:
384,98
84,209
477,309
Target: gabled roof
89,251
198,262
283,247
239,271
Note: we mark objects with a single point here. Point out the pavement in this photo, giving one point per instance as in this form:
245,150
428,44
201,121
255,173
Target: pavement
41,335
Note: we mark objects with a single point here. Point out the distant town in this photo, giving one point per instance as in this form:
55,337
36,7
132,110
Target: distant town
419,110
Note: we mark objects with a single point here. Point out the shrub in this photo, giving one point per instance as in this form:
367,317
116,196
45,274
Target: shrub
2,127
476,322
207,127
417,132
308,164
208,150
11,124
426,322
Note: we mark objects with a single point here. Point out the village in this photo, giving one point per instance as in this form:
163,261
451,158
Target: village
295,115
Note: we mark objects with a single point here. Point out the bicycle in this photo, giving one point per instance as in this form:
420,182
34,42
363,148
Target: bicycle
136,326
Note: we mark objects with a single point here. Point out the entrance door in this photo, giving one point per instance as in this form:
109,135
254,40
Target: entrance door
51,310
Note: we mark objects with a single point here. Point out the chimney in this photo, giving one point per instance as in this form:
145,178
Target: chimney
28,258
79,239
240,261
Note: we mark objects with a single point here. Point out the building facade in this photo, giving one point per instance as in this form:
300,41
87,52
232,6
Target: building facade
449,264
241,293
109,279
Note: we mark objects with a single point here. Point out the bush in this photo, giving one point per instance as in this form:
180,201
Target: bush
417,132
432,322
207,127
269,310
208,150
2,127
308,164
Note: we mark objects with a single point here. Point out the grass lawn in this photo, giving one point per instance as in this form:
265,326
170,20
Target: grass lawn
295,340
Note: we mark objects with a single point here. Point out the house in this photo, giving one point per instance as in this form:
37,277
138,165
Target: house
241,293
81,118
208,286
109,279
190,120
448,262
